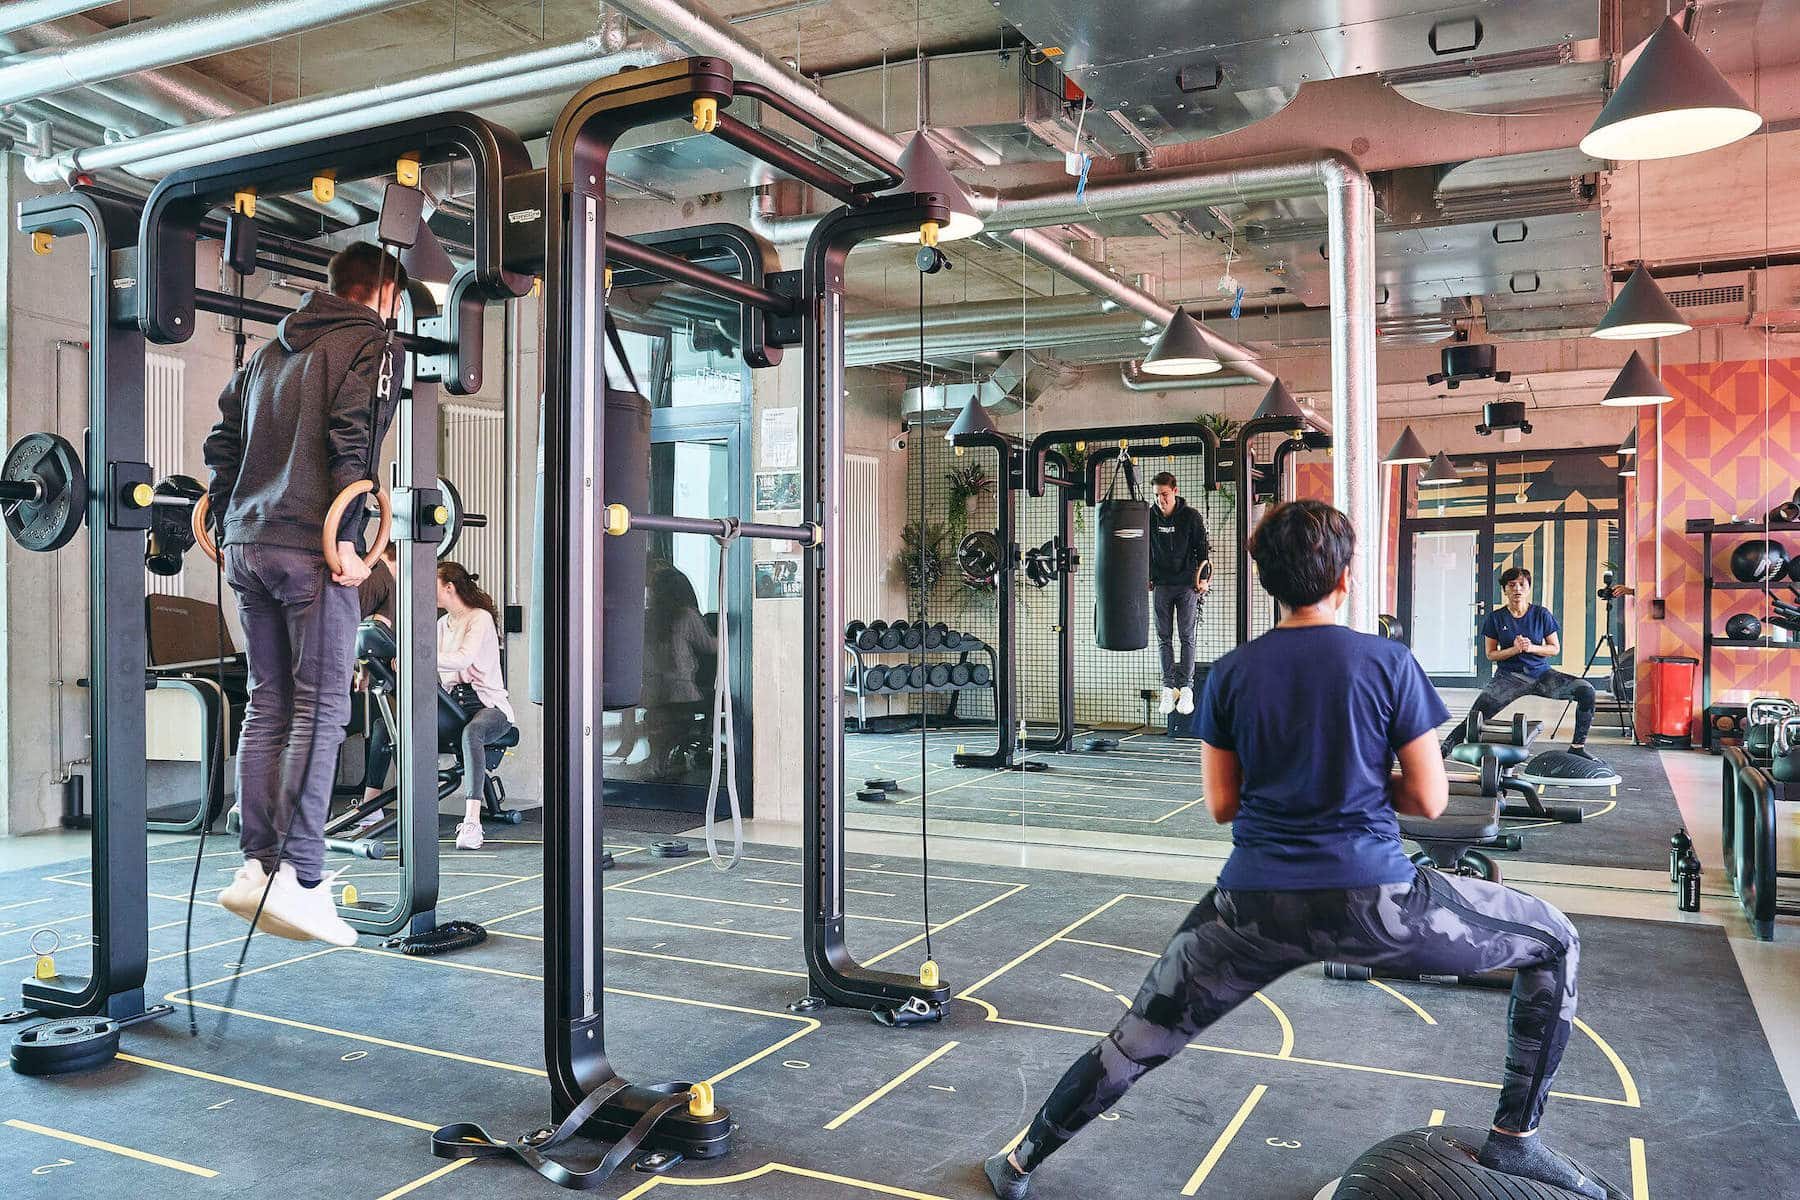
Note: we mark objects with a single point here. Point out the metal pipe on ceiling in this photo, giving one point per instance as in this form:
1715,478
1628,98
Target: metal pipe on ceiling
473,83
869,349
175,38
1135,381
22,13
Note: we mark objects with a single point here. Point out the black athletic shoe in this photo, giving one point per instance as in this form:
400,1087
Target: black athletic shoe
1584,752
1529,1158
1008,1182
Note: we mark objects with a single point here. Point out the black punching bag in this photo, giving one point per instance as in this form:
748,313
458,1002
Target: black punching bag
625,480
1122,567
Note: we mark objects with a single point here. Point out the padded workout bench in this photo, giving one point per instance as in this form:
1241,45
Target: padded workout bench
1448,841
1503,748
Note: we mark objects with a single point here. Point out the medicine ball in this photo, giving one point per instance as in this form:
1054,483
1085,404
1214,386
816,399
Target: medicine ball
1785,513
1759,559
1743,627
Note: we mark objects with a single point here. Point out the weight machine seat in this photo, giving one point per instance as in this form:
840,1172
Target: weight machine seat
1470,818
376,651
1506,755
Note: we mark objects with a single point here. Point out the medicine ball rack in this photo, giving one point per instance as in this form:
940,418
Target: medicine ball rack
1711,583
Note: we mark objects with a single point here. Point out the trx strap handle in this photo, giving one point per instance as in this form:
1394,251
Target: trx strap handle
335,517
465,1139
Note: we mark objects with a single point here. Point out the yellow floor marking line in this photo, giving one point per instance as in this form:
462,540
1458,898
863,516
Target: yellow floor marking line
1013,1143
230,941
777,937
968,993
282,1093
1016,812
626,885
939,928
706,962
492,887
286,962
1112,946
1618,1064
1287,1026
1640,1171
1028,800
1218,1147
1175,812
37,925
839,1121
782,862
780,908
523,912
1437,1116
882,1189
523,937
362,1037
1403,998
791,884
421,1181
1098,987
174,1164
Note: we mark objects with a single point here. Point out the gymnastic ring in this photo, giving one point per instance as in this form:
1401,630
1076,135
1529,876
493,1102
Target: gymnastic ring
203,537
335,517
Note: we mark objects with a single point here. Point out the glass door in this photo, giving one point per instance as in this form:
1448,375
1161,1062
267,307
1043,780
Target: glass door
1448,605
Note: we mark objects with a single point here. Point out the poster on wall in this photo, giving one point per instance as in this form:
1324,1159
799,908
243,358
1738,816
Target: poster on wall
780,438
777,490
778,579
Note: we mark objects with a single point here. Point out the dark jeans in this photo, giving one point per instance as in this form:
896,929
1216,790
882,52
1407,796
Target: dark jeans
1508,687
1234,943
300,641
1177,608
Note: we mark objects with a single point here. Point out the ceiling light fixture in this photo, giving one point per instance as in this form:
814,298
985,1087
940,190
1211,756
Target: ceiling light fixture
924,173
973,419
1441,471
1278,405
1628,447
1640,310
1636,386
1407,450
1672,102
1182,350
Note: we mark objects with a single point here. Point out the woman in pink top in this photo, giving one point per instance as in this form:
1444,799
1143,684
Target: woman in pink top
468,638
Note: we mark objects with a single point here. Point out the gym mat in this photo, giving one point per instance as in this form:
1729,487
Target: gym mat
326,1069
1151,785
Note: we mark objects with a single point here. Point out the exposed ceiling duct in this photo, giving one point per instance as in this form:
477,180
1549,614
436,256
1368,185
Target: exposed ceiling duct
176,38
21,14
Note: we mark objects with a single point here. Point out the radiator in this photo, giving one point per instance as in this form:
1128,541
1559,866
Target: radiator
165,439
472,452
859,541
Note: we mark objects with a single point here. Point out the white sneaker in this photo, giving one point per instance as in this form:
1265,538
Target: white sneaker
1167,704
1185,704
370,820
469,835
234,818
245,890
304,914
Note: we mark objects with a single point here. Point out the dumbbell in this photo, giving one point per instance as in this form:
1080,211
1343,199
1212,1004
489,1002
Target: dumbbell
852,631
934,636
959,675
981,675
892,636
869,637
875,679
938,674
912,637
915,676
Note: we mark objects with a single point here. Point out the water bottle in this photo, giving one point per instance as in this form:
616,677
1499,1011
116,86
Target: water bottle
1679,845
1690,883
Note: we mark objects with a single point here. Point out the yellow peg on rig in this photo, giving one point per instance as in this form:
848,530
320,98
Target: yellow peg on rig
928,233
618,520
1081,447
244,203
537,285
324,187
706,113
1122,443
140,495
959,451
350,895
700,1099
41,241
1165,441
406,172
606,280
439,515
45,967
928,974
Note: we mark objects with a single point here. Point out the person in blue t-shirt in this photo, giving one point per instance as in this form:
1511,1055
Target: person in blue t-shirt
1521,638
1301,729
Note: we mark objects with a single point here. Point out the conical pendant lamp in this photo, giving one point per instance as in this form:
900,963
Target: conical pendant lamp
1181,350
922,172
1672,102
1637,385
1640,310
1407,449
1441,471
1628,447
1278,405
974,418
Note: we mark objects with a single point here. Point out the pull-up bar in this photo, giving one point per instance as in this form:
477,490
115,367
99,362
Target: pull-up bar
681,270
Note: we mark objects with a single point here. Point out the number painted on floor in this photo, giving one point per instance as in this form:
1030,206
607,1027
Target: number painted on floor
219,1105
795,1064
1281,1143
1109,1116
49,1167
355,1056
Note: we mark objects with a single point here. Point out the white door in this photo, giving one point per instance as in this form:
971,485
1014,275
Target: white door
1444,602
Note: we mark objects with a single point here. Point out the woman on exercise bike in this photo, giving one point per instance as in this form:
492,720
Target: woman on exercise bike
468,662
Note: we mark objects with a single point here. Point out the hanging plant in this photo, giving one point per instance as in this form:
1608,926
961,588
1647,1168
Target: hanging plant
921,560
1226,429
1077,456
966,483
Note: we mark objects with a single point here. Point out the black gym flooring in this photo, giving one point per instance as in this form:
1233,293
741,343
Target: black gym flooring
326,1071
1151,786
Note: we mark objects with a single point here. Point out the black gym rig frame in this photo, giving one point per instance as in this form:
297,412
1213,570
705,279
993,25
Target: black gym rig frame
117,642
447,348
806,306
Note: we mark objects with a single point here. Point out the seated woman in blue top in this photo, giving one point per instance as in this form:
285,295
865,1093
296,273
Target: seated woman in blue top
1301,729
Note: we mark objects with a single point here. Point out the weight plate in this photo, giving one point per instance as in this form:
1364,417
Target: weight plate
50,522
871,795
453,504
669,849
65,1046
885,785
979,555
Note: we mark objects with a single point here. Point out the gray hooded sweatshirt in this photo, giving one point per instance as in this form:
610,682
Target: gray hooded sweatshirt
294,427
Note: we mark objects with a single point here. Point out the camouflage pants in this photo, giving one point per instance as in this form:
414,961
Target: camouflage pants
1236,942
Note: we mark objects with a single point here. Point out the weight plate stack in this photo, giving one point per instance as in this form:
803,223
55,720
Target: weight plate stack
674,848
64,1046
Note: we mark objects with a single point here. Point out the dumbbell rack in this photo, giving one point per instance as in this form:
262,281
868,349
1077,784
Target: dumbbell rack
1708,530
858,665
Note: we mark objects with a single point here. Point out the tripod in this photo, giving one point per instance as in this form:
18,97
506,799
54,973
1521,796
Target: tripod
1606,641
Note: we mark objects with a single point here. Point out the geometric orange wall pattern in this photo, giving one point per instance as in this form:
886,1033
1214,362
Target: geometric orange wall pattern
1731,437
1312,481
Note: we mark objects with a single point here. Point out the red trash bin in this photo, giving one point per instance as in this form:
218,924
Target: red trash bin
1672,701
